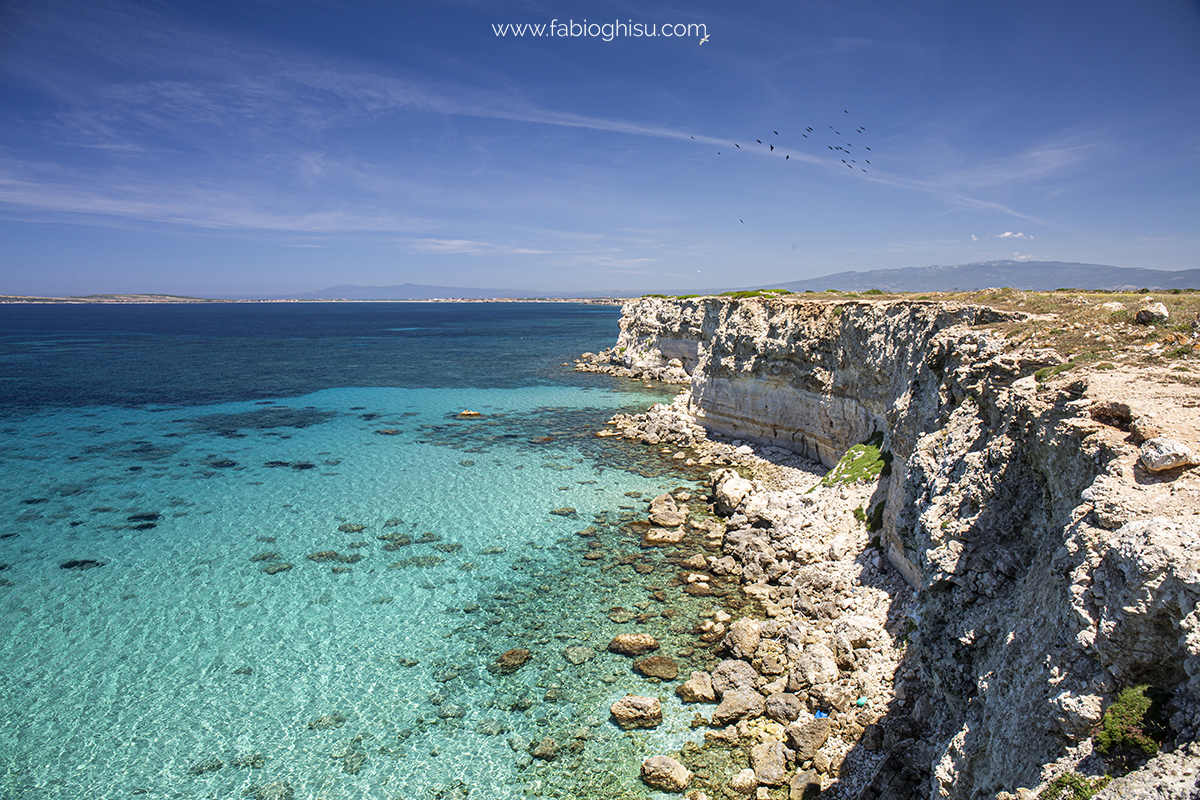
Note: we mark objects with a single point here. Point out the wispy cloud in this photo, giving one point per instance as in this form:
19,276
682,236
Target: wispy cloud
1008,235
470,247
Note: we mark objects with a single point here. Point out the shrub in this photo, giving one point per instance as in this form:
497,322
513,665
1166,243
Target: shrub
1133,722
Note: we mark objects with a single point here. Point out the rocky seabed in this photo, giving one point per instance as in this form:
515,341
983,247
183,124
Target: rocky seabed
955,624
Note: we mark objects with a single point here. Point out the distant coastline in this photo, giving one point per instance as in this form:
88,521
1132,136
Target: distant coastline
110,299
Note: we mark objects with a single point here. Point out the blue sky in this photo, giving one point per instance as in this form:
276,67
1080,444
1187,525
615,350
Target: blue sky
264,147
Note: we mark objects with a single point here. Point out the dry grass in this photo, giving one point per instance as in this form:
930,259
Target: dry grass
1072,323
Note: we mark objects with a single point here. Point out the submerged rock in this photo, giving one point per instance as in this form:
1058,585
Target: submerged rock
632,644
326,722
665,774
512,660
81,564
632,711
547,749
273,569
660,667
211,765
250,761
579,654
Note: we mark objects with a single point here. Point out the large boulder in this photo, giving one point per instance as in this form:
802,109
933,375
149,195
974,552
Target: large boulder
769,763
806,738
632,644
730,489
815,665
697,689
666,513
739,704
784,707
660,667
632,711
665,774
743,638
733,674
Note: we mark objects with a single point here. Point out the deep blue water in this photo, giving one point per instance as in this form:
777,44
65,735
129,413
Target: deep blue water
173,452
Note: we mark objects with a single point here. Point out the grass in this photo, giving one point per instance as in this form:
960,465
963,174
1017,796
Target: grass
1073,786
862,463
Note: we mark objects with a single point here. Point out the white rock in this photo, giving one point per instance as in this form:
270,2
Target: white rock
1162,453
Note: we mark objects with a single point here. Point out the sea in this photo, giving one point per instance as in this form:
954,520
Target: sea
257,550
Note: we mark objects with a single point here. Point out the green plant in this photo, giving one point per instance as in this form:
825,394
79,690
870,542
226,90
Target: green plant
1106,365
1073,786
862,462
1133,722
873,291
860,515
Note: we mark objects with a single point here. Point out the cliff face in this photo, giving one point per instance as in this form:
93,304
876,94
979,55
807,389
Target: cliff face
1051,570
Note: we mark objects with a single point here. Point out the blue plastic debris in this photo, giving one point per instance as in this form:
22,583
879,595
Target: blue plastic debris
820,715
860,702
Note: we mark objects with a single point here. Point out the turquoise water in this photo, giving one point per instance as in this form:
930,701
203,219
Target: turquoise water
182,472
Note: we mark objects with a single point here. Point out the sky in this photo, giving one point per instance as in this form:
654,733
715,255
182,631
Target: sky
268,147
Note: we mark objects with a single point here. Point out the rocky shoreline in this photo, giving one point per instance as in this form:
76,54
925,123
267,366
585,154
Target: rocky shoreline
956,594
805,678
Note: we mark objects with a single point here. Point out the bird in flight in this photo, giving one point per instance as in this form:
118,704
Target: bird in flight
775,132
758,140
772,148
705,39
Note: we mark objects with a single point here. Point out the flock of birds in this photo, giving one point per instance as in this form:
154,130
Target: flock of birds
840,146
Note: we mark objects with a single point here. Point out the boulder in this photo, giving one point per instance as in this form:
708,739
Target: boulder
733,674
745,782
660,667
632,711
784,707
660,537
730,490
665,512
743,638
804,785
769,763
1162,453
807,738
665,774
815,665
632,644
697,689
738,704
512,660
1151,313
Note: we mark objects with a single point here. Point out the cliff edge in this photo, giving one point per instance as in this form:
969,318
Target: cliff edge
1036,494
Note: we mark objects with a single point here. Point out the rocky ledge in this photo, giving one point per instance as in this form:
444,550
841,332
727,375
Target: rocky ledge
978,577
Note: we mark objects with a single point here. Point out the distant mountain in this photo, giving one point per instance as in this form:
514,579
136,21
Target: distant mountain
1030,275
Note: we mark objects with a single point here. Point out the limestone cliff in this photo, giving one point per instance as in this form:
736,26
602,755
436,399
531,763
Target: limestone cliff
1050,568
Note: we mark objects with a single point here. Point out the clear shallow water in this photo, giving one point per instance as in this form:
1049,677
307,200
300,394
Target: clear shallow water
174,445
